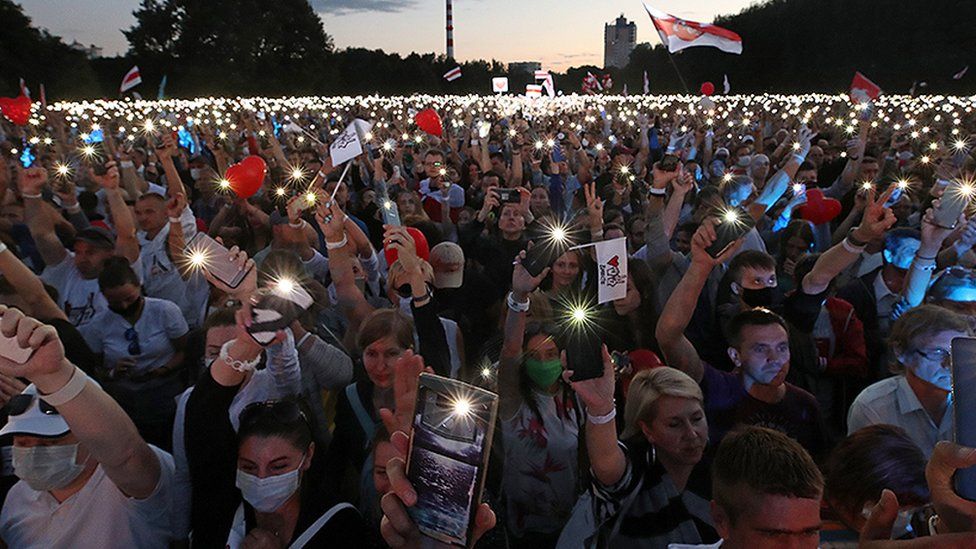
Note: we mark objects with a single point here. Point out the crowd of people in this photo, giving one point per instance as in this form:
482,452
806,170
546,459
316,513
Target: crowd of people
791,389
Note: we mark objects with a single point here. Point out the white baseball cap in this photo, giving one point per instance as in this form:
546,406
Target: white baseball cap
34,418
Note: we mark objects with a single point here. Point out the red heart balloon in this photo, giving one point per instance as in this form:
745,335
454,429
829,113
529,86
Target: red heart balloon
246,176
819,210
419,240
429,121
16,109
707,88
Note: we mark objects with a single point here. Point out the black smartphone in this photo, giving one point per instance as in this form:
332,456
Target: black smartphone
584,355
964,408
733,224
450,443
275,308
546,251
954,200
509,196
205,252
669,163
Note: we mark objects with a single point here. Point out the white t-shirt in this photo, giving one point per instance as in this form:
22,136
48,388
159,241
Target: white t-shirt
79,297
160,322
97,516
455,194
162,278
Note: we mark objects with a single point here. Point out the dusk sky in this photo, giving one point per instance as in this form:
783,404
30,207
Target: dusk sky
559,33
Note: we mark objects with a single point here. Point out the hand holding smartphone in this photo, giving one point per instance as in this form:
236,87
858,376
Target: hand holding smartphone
207,253
964,408
732,225
450,443
954,200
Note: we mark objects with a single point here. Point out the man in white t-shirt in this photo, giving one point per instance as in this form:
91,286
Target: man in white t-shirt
75,274
87,478
161,277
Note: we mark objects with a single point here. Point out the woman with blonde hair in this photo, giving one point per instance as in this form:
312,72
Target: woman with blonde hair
651,488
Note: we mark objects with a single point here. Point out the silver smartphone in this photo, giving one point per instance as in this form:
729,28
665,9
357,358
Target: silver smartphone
388,208
954,200
206,253
964,408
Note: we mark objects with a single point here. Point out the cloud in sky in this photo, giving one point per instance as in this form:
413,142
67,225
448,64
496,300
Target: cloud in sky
342,7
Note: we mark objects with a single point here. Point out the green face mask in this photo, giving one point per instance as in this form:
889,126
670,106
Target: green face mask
543,373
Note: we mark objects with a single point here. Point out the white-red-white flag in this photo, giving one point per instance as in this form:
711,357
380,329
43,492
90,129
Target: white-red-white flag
726,87
453,74
24,90
960,74
611,269
647,84
533,91
130,80
541,74
678,34
863,90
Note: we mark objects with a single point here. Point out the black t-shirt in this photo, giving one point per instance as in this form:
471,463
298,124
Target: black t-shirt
76,350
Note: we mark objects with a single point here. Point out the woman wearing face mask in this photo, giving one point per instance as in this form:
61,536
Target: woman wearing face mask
652,488
141,340
540,422
271,460
917,400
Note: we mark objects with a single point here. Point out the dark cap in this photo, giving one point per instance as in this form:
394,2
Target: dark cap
97,236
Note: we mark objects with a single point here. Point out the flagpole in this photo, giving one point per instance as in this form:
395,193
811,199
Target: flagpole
675,65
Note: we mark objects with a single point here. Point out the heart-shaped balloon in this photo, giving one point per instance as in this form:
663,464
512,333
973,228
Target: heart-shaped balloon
818,209
429,121
419,240
246,176
16,109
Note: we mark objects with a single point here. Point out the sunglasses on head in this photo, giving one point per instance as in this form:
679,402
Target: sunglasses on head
20,403
282,411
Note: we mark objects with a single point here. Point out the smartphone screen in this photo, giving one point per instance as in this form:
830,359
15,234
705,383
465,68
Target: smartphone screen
450,443
388,208
207,253
964,408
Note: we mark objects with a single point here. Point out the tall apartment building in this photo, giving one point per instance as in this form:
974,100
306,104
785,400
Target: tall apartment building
619,39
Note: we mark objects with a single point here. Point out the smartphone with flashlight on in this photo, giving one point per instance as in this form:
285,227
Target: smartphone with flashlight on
954,200
388,208
964,408
275,307
450,443
583,344
205,252
733,224
12,351
546,250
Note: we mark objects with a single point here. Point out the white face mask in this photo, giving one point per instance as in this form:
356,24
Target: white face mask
269,493
46,468
195,173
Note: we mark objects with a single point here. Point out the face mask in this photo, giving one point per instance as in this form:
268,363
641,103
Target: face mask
46,468
127,311
543,373
933,373
762,297
269,493
195,173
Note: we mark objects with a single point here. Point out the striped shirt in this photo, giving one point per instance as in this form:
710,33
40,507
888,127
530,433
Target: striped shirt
658,514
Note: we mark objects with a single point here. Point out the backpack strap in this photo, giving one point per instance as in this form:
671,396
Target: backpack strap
365,420
318,524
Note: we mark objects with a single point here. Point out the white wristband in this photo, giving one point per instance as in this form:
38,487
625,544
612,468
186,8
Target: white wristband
235,364
337,245
299,225
653,191
30,195
517,306
604,419
850,247
73,209
174,220
71,389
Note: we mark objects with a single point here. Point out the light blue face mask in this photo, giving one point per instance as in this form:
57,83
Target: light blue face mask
269,493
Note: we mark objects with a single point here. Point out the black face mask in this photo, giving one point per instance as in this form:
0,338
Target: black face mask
127,311
758,298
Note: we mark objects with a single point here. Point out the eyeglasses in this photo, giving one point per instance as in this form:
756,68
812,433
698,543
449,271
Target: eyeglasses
133,338
934,355
282,411
19,404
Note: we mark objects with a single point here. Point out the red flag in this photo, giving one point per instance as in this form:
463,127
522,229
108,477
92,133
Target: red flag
678,34
130,80
863,90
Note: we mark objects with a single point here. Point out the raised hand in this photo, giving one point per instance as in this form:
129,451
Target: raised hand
594,206
176,206
109,181
597,393
247,286
703,238
31,181
397,237
522,282
46,366
877,218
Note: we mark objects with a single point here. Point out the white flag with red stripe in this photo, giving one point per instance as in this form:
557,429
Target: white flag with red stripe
533,91
453,74
647,84
678,34
24,90
130,80
611,263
